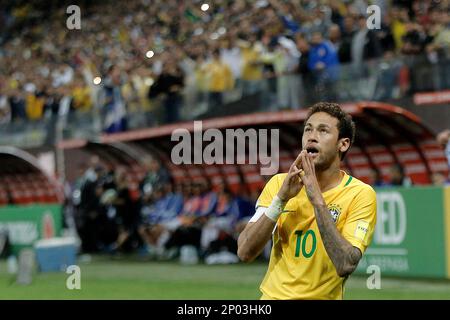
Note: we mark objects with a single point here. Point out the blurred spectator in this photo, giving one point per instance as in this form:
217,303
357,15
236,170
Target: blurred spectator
159,212
338,12
35,103
5,110
438,179
191,94
201,79
65,102
81,94
252,66
268,59
89,221
438,49
209,198
398,176
440,31
376,179
230,55
346,37
303,71
387,76
51,106
414,39
219,78
113,103
190,223
287,17
385,36
168,86
126,215
63,75
400,18
155,176
289,84
334,35
365,44
324,65
365,48
217,241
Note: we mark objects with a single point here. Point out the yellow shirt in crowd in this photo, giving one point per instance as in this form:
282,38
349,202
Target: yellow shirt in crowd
82,98
34,107
219,77
251,69
398,31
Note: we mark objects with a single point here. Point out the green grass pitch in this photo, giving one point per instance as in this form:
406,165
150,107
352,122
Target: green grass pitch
106,278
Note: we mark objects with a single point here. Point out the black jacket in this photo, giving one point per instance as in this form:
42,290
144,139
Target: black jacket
163,84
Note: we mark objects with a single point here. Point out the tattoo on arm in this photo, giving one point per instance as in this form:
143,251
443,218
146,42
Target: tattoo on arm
344,256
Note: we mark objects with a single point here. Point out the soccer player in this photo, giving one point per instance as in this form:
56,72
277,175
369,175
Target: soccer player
321,218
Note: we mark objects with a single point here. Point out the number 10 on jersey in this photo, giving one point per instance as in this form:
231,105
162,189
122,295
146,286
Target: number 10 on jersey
302,240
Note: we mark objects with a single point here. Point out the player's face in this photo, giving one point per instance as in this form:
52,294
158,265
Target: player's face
320,137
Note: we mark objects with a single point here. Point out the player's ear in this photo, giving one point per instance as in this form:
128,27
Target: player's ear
343,144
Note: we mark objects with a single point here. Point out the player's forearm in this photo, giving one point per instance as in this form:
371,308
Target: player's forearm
344,256
254,238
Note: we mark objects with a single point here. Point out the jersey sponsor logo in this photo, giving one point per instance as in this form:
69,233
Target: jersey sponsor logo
335,211
361,230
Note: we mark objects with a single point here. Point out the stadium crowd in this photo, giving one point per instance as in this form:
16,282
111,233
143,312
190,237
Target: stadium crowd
166,53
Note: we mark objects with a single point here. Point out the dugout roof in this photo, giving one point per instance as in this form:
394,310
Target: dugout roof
22,181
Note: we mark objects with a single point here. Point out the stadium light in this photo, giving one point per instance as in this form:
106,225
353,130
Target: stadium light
204,7
149,54
97,80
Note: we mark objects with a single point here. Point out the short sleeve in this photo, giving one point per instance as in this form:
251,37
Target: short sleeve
360,223
270,190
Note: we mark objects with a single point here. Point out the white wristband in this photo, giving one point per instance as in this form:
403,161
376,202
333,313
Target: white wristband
275,209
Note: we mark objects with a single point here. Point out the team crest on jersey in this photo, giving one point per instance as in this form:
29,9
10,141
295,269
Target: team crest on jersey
335,211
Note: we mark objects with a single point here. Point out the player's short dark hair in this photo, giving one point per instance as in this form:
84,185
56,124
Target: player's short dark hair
346,126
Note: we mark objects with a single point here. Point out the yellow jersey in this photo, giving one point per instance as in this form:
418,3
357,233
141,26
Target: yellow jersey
299,266
82,98
251,68
219,77
34,107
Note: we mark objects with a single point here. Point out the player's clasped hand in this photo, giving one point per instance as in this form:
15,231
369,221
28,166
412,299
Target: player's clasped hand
308,177
292,184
